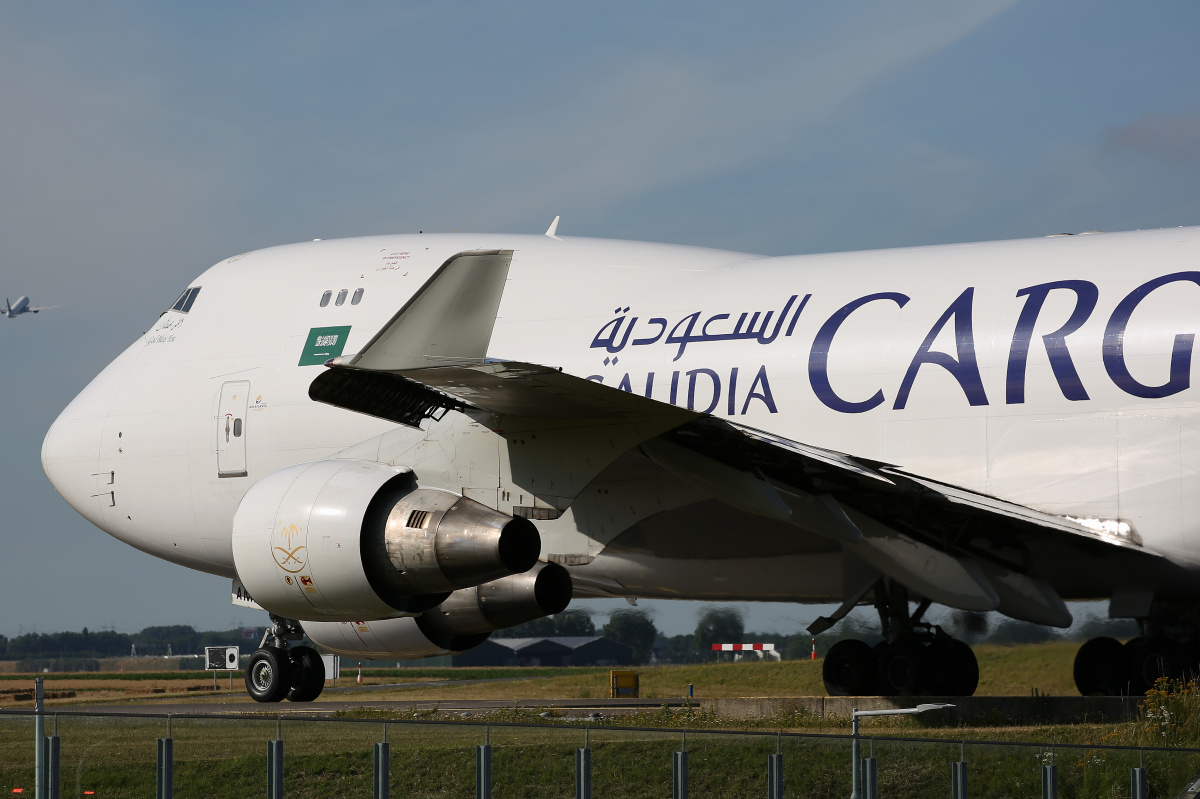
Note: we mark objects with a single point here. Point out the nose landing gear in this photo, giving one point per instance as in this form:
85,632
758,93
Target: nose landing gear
277,672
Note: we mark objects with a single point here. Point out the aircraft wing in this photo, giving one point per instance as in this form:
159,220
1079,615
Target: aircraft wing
36,308
879,512
953,545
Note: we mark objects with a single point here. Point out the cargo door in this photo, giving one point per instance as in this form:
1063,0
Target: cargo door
231,429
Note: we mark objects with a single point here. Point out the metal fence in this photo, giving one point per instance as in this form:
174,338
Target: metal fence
299,755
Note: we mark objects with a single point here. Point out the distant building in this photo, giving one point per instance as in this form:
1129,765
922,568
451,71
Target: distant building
565,651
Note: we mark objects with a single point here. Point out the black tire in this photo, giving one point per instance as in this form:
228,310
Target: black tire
962,666
902,669
308,674
268,675
850,669
1153,659
1101,668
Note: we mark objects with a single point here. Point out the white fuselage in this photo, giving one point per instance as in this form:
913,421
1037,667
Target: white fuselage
17,308
947,365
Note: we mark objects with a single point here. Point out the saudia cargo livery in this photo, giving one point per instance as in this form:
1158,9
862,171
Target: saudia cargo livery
400,444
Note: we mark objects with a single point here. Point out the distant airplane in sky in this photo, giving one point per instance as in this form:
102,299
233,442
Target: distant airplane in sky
13,310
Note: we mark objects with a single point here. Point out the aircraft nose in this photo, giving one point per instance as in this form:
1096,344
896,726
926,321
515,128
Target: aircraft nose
71,448
70,452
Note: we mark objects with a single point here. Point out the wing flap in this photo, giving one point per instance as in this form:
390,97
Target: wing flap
988,504
941,515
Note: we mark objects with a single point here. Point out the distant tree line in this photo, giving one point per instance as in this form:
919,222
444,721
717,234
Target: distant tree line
630,626
724,625
150,642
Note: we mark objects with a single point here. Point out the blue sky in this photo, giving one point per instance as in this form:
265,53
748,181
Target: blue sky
143,142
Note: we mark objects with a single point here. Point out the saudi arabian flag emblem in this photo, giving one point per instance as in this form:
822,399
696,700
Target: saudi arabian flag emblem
323,343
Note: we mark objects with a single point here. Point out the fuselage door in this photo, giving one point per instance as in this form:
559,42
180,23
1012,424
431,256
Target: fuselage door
231,429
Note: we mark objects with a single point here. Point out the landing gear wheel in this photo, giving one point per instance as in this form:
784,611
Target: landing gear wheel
269,674
962,666
1152,659
902,669
308,674
1101,668
850,669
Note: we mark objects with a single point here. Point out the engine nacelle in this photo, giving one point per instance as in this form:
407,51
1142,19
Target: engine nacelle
342,540
464,620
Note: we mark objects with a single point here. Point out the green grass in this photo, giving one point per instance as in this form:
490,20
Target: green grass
222,758
1004,671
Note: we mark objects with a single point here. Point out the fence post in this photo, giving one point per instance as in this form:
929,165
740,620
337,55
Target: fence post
1137,786
165,773
483,772
679,776
583,773
275,769
1050,782
382,770
775,776
39,734
50,760
958,777
869,790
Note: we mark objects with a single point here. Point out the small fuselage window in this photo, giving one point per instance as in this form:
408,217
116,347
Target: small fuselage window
325,298
237,428
357,298
341,297
184,303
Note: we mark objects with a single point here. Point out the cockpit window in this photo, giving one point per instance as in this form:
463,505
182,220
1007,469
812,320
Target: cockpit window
187,305
357,297
341,298
184,303
325,298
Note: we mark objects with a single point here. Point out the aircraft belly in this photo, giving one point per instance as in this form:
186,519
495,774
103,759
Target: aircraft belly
697,549
796,578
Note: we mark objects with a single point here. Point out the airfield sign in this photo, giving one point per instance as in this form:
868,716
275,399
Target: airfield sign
221,658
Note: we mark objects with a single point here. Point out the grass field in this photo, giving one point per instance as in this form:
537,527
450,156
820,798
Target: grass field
224,757
1004,671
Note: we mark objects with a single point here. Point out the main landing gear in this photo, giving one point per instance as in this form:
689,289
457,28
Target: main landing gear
1169,647
277,672
916,657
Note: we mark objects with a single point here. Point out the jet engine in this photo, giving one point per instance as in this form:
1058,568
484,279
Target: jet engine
464,620
342,540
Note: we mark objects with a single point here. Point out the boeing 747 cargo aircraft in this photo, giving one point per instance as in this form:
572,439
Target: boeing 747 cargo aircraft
399,444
